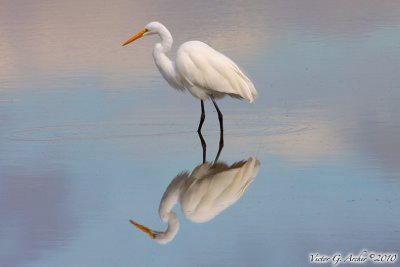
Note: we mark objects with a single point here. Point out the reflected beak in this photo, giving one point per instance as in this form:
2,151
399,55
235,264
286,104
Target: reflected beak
144,229
137,36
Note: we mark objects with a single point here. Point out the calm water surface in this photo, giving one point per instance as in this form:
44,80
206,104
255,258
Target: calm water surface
91,136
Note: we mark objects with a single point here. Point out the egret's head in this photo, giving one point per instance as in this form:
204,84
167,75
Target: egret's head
161,237
144,229
151,28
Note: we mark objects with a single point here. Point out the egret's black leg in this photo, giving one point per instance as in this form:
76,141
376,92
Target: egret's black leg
204,146
221,146
221,127
202,117
220,117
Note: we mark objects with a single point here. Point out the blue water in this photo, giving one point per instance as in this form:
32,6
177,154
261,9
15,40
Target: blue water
91,136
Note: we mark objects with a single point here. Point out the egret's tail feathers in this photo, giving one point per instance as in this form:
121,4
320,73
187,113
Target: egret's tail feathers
247,89
253,92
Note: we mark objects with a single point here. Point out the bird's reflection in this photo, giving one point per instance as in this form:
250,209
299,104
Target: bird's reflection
203,193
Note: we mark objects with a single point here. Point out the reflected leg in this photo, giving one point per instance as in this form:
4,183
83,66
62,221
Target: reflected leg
221,146
202,117
221,127
204,145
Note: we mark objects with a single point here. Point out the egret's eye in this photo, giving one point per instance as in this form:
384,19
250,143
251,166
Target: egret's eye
145,30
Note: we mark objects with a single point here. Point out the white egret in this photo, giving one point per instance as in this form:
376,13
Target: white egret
203,194
198,68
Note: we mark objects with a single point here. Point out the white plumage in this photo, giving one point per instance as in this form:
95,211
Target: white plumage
198,68
205,72
203,194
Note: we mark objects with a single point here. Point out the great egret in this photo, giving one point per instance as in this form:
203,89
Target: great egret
203,194
203,71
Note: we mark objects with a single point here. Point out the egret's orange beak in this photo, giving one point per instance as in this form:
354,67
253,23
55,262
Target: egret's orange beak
137,36
144,229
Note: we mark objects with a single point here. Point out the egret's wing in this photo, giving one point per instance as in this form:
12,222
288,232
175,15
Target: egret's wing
207,197
171,195
201,66
234,181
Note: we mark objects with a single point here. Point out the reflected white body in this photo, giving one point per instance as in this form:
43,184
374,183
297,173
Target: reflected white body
203,194
200,69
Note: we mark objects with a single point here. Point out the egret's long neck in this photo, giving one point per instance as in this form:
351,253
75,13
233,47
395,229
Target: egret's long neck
163,63
168,201
166,38
172,230
168,216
